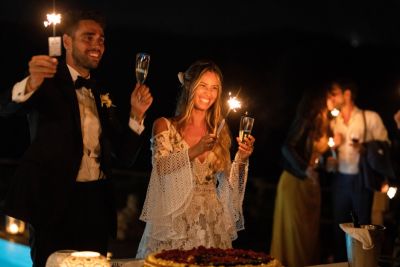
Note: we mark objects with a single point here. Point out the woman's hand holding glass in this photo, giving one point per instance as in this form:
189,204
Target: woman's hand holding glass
245,146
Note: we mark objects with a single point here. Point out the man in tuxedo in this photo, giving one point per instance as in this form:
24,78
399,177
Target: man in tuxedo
62,185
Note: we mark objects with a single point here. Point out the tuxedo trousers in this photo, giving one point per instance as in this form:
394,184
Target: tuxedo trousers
84,225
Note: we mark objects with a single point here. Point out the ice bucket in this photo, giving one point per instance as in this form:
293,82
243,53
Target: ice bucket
360,257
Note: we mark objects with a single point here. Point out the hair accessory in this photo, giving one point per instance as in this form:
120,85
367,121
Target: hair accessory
180,77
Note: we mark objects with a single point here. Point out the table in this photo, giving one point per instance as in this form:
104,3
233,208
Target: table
126,263
338,264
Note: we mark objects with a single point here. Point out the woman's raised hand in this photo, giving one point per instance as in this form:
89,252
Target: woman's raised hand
246,147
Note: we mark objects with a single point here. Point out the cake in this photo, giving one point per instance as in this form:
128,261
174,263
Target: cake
201,257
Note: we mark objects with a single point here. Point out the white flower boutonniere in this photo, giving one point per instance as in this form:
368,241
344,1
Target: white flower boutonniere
106,101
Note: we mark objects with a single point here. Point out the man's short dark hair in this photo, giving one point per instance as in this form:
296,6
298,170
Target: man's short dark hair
71,19
345,84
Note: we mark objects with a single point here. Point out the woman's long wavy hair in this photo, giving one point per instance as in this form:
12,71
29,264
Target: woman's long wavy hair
190,80
311,109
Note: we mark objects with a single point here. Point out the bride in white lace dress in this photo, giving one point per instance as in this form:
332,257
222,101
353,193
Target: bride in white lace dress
195,193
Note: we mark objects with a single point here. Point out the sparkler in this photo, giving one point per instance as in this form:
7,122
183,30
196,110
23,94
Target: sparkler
54,41
234,104
331,144
335,112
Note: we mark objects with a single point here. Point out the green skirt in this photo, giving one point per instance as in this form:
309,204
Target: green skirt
295,236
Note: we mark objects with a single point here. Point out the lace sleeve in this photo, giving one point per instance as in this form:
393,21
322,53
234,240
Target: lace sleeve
171,181
231,192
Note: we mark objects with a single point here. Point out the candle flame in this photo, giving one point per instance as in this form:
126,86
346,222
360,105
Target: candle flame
234,103
335,112
331,143
13,228
391,192
85,254
52,19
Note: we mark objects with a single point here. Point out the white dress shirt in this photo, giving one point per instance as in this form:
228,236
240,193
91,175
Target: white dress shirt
349,155
90,127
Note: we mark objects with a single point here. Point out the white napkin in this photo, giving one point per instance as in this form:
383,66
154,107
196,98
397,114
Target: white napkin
360,234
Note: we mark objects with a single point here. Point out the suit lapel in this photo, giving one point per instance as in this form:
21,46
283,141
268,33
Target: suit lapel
68,89
97,98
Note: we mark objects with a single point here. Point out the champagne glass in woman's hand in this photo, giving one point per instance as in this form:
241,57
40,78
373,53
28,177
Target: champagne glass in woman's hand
245,127
142,67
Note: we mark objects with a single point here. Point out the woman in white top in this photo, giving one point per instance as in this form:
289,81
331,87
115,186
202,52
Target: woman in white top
195,193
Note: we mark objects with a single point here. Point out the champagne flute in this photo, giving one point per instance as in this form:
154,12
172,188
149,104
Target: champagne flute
246,125
142,67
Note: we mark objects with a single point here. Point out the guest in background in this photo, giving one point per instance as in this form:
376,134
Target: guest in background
395,202
396,143
349,193
397,119
62,185
195,192
295,234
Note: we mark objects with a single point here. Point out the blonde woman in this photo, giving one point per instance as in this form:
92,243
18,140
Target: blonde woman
195,192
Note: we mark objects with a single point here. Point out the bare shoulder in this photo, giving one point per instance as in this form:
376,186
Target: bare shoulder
160,125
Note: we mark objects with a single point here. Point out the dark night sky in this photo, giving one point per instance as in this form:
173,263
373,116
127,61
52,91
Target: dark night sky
361,21
273,53
366,21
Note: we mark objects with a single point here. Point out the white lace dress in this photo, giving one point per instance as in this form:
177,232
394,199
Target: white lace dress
186,204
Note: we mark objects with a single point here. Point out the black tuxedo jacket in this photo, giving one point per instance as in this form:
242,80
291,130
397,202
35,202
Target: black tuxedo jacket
42,185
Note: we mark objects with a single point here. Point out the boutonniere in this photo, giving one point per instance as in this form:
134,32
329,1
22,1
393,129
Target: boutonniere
106,101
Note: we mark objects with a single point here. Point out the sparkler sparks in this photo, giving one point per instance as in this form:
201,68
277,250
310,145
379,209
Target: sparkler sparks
331,144
233,104
335,112
52,19
54,41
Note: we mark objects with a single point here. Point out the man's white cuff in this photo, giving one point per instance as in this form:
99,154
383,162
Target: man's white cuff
18,91
136,126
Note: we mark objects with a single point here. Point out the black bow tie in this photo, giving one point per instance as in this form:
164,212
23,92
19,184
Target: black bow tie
82,82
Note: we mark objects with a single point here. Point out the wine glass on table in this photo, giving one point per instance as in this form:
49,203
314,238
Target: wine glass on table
142,67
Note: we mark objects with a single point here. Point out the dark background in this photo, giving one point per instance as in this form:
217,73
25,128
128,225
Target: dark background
272,53
272,50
